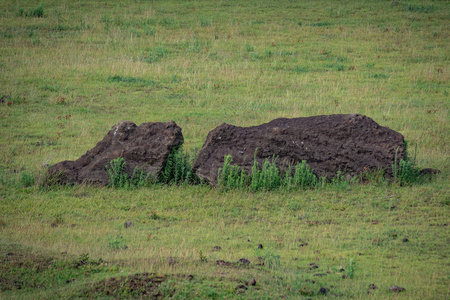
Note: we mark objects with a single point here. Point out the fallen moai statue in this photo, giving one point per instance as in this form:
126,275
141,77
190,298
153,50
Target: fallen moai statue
146,147
329,144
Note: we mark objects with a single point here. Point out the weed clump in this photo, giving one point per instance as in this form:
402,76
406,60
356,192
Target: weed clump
266,177
37,12
131,81
118,178
178,170
155,55
27,179
405,171
269,177
117,242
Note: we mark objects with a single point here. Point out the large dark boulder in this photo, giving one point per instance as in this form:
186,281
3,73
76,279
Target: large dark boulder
329,144
146,147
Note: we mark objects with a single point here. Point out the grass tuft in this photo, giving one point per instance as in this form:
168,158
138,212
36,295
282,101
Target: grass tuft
37,12
178,169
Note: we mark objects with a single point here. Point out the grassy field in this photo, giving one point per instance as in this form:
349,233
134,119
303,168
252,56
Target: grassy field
70,70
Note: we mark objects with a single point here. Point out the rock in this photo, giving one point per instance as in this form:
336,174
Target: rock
252,281
428,171
224,263
244,261
240,289
260,261
260,246
322,291
128,224
396,288
347,143
146,147
405,240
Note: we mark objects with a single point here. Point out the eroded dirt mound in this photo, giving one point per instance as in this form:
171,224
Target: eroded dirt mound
329,144
146,147
142,286
17,264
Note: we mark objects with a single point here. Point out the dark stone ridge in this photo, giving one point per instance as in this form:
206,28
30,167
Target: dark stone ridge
428,171
243,261
146,147
329,144
396,288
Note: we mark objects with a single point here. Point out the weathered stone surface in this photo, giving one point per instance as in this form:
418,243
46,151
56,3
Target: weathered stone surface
428,171
146,147
396,288
329,144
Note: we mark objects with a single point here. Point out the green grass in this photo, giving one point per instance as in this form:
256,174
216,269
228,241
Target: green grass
72,69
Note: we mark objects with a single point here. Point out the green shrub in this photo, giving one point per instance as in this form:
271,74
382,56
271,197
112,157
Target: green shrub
178,169
154,55
372,176
131,81
205,22
304,177
27,179
117,176
420,8
116,242
351,269
37,12
270,258
230,177
249,48
149,31
405,171
266,177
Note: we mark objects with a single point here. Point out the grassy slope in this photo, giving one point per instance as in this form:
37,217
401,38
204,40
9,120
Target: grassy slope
202,63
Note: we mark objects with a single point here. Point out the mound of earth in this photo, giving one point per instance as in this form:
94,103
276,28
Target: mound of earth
146,147
142,286
329,144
